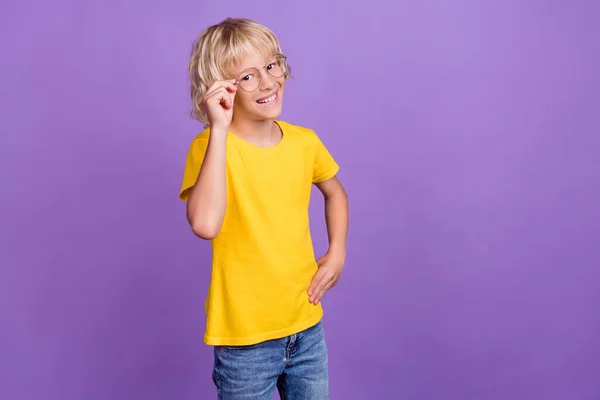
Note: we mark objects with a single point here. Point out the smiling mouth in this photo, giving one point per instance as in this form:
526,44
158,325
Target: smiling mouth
269,101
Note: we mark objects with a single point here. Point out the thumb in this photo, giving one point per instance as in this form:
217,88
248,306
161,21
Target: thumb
321,261
233,91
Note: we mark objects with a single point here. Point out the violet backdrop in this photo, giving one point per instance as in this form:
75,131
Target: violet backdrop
468,135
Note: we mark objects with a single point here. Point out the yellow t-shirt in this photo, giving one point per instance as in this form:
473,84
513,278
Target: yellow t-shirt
263,258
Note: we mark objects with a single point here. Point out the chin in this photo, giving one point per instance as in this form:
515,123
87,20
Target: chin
273,114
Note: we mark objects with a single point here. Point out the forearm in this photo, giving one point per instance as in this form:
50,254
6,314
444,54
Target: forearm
336,217
208,198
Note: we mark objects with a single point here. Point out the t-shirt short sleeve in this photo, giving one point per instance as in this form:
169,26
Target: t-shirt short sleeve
193,162
325,167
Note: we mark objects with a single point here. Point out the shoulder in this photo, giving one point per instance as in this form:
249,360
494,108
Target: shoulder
197,147
298,131
200,141
201,137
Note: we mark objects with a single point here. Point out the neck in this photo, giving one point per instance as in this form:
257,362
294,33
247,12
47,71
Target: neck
260,132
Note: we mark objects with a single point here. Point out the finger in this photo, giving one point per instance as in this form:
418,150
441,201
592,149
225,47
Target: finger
230,84
316,281
218,89
220,96
233,91
325,290
319,287
227,100
230,91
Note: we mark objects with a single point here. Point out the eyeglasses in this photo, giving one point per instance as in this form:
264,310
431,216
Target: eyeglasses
249,80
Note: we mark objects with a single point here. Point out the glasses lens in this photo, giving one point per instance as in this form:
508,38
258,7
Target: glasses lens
249,80
277,68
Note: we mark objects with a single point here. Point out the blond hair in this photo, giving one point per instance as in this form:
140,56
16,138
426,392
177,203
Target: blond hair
218,48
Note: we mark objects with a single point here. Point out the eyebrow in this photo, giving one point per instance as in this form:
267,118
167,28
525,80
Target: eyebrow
267,62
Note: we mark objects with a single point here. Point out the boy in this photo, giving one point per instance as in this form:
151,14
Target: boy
247,183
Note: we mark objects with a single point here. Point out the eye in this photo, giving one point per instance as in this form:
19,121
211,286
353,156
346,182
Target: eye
248,77
272,65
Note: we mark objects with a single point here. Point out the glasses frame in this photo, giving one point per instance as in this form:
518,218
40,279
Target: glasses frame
277,56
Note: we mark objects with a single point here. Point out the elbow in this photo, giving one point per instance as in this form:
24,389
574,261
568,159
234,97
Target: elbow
205,231
206,225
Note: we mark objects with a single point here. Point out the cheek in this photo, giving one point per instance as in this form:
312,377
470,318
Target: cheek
242,100
281,88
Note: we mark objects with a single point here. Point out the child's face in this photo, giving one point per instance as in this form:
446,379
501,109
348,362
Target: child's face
259,95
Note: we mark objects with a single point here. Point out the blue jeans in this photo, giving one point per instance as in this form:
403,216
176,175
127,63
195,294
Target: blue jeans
296,365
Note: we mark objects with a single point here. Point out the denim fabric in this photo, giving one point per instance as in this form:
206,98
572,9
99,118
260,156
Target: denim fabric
296,365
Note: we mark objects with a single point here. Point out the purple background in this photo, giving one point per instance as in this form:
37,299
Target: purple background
468,136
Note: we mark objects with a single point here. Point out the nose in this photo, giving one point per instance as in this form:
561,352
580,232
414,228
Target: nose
267,82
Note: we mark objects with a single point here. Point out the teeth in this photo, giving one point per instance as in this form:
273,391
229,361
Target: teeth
268,100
